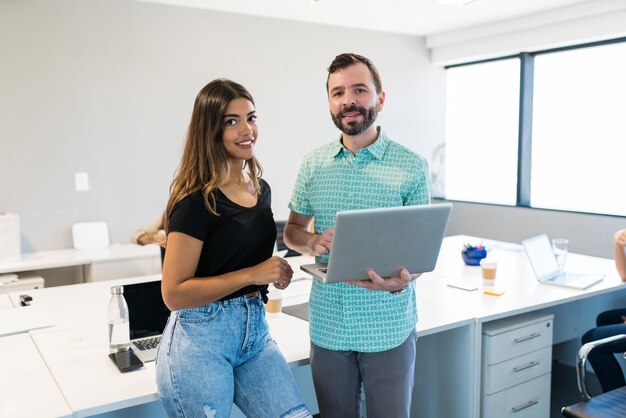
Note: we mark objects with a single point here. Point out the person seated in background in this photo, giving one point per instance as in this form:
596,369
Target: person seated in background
150,234
620,253
610,323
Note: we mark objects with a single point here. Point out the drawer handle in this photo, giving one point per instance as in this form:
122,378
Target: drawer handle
528,337
526,405
526,366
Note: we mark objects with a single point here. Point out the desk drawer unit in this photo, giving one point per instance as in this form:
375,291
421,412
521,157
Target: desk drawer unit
527,400
512,339
516,366
517,370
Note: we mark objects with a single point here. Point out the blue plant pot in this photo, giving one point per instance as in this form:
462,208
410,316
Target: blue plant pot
472,255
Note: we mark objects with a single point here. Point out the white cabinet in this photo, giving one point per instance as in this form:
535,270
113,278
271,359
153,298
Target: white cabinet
528,400
70,266
119,269
10,284
516,367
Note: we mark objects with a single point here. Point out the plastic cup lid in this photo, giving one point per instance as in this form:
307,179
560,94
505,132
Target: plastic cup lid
490,264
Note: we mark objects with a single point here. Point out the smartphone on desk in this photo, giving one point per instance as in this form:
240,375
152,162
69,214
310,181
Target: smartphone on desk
126,360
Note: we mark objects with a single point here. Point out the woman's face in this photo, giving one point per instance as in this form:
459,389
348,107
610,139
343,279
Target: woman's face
240,130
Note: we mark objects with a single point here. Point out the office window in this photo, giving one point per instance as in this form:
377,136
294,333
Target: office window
579,130
482,112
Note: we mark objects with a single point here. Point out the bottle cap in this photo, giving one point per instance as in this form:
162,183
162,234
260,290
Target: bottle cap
117,290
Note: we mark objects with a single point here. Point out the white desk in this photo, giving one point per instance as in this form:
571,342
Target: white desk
443,359
5,301
75,349
514,275
117,260
574,310
78,305
27,389
78,360
448,360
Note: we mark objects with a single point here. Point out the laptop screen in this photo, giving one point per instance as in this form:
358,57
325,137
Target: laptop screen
147,311
541,257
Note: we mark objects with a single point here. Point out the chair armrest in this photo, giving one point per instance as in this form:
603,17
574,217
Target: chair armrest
581,359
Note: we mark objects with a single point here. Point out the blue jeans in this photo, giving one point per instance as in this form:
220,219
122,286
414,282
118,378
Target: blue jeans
603,361
212,356
387,378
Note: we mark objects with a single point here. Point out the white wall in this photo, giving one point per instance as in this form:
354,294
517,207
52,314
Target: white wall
580,23
585,22
588,234
107,88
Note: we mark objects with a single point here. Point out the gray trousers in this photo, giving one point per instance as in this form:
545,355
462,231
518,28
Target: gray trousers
387,379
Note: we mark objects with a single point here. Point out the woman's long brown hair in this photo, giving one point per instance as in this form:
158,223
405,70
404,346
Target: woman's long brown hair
204,164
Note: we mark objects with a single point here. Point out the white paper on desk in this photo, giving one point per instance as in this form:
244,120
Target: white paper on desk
468,285
23,319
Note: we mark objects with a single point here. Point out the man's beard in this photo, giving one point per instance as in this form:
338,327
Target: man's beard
355,127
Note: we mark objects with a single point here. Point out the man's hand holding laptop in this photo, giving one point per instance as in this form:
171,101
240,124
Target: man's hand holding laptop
389,284
322,244
372,246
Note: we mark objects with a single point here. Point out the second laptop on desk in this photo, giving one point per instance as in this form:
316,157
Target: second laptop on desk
385,240
546,268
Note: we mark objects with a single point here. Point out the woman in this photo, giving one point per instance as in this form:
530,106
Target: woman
216,348
608,324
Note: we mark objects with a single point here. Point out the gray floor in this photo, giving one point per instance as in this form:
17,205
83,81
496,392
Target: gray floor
565,389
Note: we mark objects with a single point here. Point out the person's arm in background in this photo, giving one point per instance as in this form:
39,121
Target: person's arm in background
149,234
620,256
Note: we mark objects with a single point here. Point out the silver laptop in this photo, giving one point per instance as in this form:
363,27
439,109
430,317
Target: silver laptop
148,317
385,240
544,264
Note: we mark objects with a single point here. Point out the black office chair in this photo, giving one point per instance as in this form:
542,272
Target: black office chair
280,243
607,405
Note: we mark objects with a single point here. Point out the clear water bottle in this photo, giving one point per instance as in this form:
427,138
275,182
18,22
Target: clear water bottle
119,331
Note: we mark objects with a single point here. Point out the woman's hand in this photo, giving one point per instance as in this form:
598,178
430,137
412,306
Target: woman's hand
273,270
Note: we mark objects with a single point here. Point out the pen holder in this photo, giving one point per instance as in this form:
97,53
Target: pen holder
472,255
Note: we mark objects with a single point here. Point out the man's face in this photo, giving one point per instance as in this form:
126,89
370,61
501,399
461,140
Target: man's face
354,103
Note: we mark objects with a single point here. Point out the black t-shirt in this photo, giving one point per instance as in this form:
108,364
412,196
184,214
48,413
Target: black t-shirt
237,238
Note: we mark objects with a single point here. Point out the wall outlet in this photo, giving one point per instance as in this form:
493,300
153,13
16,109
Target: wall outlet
81,182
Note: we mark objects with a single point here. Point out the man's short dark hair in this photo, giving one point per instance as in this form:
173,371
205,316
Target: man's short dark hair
347,59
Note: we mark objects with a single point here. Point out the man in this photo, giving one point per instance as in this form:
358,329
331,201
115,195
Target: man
361,332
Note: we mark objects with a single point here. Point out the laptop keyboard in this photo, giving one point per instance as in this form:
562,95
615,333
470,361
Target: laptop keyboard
323,270
148,343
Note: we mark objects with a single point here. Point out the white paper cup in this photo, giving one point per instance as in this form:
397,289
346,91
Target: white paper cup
274,303
489,268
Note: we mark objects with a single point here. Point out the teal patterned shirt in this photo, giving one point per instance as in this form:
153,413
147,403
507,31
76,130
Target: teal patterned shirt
331,178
